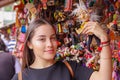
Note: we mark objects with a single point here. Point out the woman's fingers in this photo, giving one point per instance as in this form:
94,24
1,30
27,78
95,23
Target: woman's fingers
86,30
93,28
89,27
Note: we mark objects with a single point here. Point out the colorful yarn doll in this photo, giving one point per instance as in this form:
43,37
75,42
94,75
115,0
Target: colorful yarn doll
19,9
84,15
33,11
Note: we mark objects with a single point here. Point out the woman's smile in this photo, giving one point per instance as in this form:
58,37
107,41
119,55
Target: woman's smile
49,51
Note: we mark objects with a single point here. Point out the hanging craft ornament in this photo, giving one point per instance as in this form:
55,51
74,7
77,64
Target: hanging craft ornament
29,6
44,2
59,16
21,37
80,8
32,9
68,5
85,15
82,14
19,9
23,29
8,31
59,28
51,2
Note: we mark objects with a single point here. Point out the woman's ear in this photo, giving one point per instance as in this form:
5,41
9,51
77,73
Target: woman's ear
29,45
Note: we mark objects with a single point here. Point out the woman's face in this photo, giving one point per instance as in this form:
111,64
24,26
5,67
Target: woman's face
44,43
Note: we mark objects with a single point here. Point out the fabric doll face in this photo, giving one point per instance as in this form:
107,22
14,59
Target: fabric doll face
84,15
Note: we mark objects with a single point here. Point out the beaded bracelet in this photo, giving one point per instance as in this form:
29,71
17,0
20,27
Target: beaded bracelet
106,43
103,44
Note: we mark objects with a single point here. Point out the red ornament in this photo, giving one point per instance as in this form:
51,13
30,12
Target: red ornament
99,49
58,43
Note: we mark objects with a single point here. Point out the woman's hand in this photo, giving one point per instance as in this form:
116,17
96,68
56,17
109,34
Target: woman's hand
105,55
95,28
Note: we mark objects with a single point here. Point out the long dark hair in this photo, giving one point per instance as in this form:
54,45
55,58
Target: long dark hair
28,55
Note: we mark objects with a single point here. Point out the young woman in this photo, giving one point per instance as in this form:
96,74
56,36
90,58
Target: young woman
40,50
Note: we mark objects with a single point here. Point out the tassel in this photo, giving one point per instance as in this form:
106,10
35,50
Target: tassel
68,5
59,28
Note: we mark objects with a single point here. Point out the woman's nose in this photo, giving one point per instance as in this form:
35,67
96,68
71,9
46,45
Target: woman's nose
49,43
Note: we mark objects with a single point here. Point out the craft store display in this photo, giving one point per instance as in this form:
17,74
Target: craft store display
69,17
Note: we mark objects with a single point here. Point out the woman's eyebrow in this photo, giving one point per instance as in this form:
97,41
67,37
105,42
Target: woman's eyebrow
45,35
42,36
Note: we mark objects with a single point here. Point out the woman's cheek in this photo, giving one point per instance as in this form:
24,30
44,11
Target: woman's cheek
37,43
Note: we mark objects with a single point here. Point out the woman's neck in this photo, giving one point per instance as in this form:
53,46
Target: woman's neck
38,64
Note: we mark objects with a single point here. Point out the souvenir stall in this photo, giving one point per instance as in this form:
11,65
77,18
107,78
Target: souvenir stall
69,17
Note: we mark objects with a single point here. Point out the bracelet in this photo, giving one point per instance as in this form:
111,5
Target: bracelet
106,43
106,58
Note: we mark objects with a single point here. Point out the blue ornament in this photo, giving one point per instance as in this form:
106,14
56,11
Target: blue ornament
23,29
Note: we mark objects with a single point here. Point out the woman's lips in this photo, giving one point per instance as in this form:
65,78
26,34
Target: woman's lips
49,51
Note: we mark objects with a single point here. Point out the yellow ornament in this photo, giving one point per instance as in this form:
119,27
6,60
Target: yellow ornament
8,30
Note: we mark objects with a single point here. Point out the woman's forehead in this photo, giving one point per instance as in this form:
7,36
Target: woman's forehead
44,29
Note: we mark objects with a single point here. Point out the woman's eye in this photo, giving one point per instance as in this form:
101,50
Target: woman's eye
42,39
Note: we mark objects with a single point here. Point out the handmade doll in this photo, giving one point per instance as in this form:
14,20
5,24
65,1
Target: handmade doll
84,15
59,16
33,11
19,9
